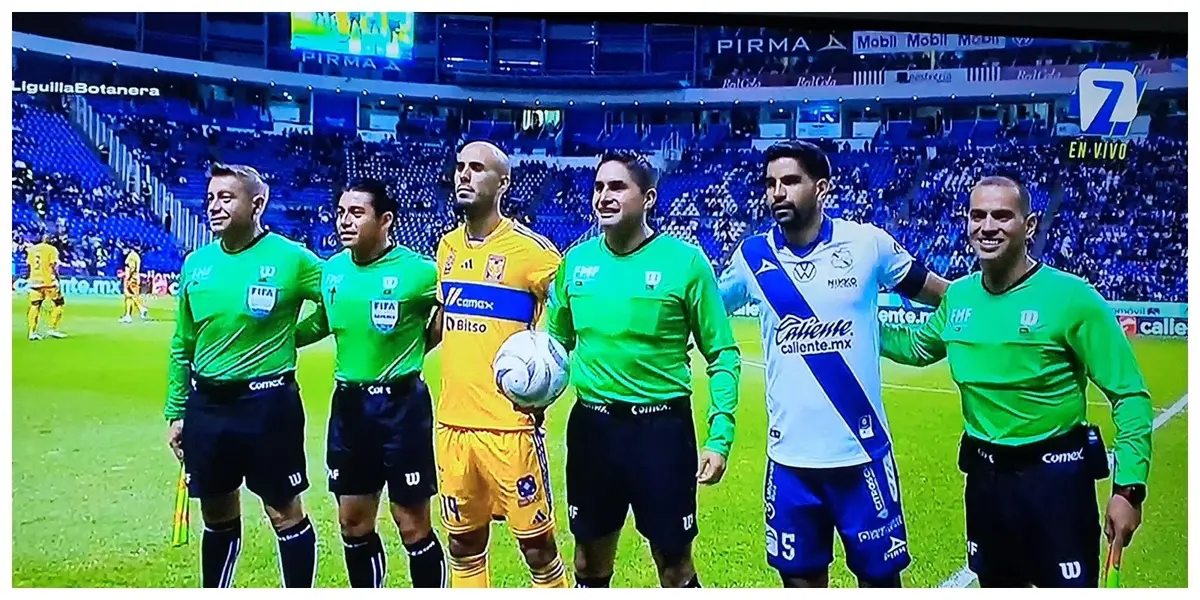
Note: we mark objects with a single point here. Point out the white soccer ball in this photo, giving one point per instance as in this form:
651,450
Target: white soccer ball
531,369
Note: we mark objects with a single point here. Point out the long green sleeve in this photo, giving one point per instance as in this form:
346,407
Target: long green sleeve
714,338
558,311
916,346
1107,358
179,368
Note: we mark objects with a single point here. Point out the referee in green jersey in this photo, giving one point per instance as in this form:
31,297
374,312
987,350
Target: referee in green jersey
1023,339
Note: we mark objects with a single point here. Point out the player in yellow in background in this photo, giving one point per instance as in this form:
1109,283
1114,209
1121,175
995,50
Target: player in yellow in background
42,259
133,285
493,278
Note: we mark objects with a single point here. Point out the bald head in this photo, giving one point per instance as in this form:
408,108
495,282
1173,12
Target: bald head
489,154
482,174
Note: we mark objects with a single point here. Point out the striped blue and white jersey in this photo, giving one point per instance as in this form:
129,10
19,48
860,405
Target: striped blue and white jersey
817,307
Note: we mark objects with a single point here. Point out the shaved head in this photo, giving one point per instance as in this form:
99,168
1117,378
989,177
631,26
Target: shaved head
482,174
493,157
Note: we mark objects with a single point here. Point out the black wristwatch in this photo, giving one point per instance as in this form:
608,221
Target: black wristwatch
1135,494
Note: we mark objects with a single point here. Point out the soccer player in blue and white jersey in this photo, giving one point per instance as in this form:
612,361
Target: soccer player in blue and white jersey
816,281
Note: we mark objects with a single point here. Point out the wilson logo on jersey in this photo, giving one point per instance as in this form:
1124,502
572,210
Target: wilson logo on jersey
811,336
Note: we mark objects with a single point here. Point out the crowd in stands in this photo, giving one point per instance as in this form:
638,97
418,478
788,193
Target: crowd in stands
1122,227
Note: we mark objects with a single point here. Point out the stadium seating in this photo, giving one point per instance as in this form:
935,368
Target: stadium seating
1121,228
61,187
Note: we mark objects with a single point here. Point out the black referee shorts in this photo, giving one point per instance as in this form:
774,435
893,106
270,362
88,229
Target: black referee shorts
1032,514
382,433
251,431
622,456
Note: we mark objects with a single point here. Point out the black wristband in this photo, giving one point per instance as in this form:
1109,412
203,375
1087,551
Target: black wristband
1135,494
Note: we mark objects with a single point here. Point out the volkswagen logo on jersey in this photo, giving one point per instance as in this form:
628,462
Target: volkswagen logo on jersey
812,336
385,314
805,271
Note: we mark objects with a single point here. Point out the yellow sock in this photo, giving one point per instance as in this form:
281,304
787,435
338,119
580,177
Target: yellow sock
469,571
553,575
137,305
128,307
31,317
56,316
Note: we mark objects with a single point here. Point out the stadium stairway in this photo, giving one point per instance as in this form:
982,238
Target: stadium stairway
1047,224
905,208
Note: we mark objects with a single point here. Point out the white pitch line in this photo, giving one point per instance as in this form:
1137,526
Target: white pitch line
965,577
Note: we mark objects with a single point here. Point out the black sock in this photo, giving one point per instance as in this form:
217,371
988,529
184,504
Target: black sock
427,563
366,562
694,582
298,554
219,549
592,582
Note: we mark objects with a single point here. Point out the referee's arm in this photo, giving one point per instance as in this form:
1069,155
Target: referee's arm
916,347
179,368
1107,356
559,322
313,328
714,338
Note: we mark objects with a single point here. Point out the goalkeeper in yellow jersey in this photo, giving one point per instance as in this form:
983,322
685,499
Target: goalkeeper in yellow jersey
42,259
132,285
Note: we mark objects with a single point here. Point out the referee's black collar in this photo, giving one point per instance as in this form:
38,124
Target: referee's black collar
645,242
370,261
258,238
1037,266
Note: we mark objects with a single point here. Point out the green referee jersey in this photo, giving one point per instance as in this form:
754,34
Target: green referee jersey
377,313
1022,360
628,318
237,313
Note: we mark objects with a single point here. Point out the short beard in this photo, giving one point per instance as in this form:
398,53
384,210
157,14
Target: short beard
800,218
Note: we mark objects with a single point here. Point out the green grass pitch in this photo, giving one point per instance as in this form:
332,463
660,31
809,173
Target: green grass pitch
93,481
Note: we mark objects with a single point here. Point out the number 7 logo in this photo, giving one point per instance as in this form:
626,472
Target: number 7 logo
1108,99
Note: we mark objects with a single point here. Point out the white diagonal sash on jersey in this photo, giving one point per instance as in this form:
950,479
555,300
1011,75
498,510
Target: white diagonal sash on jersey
828,368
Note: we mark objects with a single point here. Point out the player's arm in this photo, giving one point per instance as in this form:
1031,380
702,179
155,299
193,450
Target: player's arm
733,283
714,338
899,271
916,346
183,348
1107,357
433,331
559,322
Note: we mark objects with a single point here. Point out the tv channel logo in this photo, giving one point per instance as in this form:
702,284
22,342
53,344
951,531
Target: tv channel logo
1107,99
